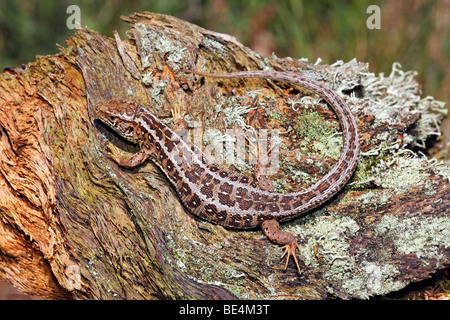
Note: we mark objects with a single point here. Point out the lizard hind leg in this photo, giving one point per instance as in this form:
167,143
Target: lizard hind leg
271,229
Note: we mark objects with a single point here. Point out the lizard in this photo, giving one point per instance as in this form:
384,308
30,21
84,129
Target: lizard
222,196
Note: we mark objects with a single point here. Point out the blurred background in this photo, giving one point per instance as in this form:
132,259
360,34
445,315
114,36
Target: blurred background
415,33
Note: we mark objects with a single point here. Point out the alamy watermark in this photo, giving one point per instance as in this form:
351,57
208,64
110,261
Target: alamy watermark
374,20
74,20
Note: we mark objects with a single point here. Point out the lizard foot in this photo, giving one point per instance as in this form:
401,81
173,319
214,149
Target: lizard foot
180,125
126,161
290,249
113,152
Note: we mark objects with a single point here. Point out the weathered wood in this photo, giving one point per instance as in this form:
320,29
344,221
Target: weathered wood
75,225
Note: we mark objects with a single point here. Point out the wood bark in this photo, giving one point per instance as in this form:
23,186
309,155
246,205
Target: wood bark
74,225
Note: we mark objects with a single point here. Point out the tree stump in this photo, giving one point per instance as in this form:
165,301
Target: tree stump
74,225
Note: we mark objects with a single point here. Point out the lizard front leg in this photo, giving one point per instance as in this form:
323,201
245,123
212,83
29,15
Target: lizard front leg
127,161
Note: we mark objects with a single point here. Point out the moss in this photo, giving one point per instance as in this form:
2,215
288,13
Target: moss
331,146
312,126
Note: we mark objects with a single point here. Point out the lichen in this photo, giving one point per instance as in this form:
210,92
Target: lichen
406,173
234,114
372,199
312,126
392,98
327,237
328,249
371,279
423,236
158,44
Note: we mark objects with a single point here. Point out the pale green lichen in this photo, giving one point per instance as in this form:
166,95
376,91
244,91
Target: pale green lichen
147,78
156,43
329,235
381,145
157,91
392,98
302,177
232,112
397,168
217,46
372,198
215,146
408,172
328,250
305,103
372,279
423,236
234,115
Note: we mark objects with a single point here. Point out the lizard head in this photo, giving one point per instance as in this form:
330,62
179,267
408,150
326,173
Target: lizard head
119,116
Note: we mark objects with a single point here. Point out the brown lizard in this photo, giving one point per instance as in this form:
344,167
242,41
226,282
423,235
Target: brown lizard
222,196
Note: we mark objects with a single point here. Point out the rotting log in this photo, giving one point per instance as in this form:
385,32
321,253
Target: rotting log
74,225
